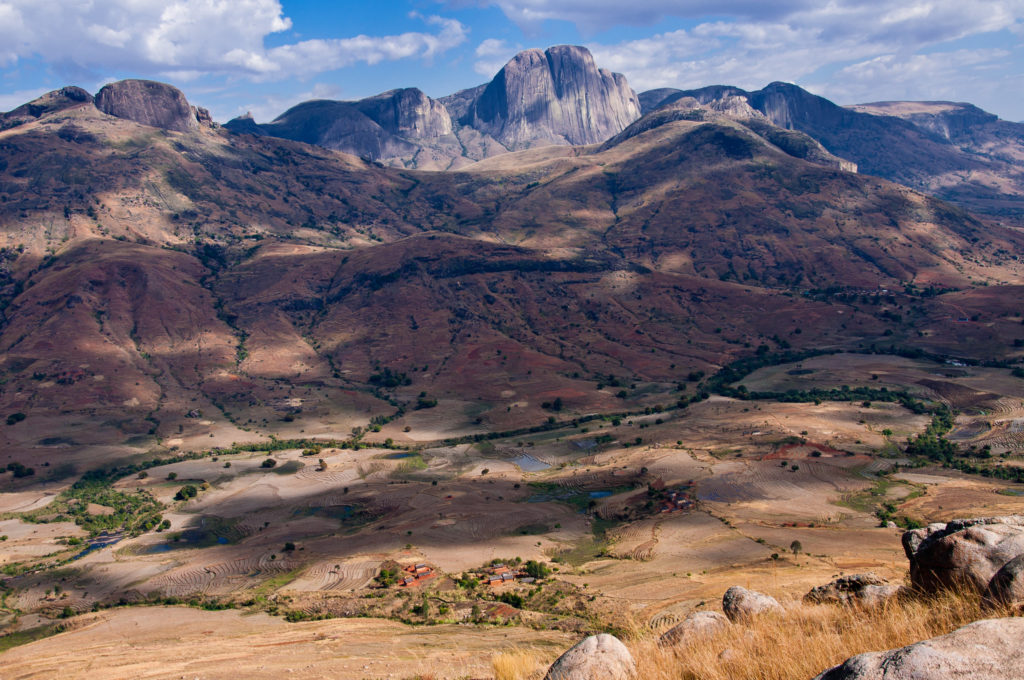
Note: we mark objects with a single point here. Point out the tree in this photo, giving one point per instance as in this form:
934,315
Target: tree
186,492
268,463
536,569
796,547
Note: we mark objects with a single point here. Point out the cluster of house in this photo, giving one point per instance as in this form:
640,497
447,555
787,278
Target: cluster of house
501,573
676,500
416,574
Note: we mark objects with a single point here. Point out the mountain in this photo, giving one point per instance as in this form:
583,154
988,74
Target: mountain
150,103
964,125
962,155
190,289
558,96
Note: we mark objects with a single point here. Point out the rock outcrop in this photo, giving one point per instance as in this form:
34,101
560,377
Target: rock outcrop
740,604
392,126
333,125
599,657
1007,586
149,103
407,113
558,96
950,120
51,102
694,627
962,553
984,650
862,590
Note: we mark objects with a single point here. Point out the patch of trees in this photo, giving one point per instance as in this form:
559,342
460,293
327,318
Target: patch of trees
389,379
186,492
423,401
20,470
133,512
555,405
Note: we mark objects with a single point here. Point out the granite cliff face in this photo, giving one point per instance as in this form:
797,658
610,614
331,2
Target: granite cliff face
557,96
150,103
407,113
393,127
333,125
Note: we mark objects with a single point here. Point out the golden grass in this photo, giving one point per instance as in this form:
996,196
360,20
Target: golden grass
807,639
517,664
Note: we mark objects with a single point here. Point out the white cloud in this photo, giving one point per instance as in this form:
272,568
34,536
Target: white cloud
492,55
940,75
13,100
325,55
270,107
163,37
875,46
945,16
592,15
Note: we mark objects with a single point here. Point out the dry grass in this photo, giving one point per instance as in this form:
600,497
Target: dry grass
518,664
807,639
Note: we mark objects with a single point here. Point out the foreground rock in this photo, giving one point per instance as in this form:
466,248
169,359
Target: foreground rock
739,604
695,626
1007,586
599,657
861,590
962,553
984,650
150,103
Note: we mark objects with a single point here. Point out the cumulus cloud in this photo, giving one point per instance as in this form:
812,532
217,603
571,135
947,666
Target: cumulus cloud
492,55
940,75
268,107
872,45
599,14
839,15
192,37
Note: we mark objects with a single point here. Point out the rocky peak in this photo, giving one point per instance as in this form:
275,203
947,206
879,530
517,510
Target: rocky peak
556,96
949,120
407,113
149,103
51,102
333,125
793,107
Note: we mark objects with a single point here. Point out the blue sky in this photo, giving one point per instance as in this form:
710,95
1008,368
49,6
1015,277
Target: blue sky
263,56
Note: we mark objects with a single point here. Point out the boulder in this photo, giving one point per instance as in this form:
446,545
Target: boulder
1007,586
963,553
862,590
695,626
599,657
984,650
739,603
149,103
